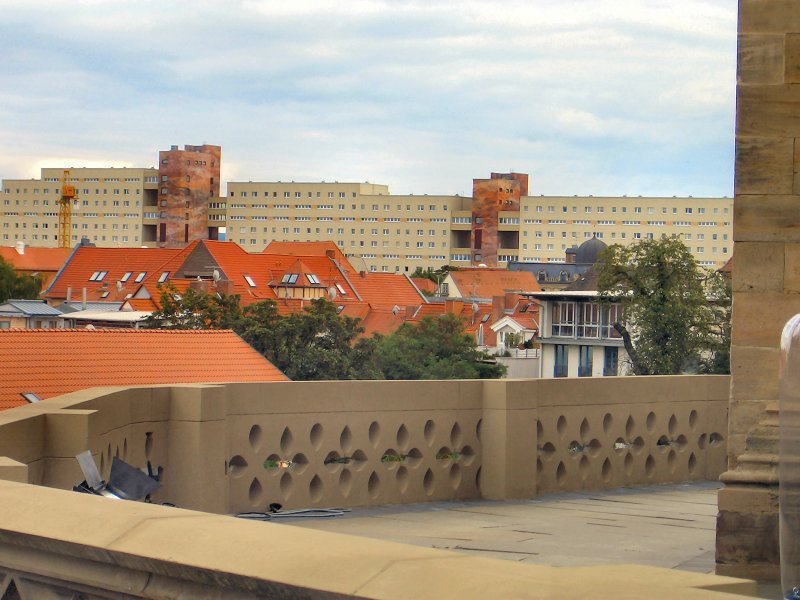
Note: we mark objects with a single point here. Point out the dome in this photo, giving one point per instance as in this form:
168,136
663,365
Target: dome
589,251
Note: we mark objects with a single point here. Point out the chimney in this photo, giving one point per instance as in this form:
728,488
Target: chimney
69,294
199,285
569,255
20,247
225,287
498,307
363,274
330,254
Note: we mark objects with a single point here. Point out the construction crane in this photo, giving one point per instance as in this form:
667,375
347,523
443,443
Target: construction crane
65,211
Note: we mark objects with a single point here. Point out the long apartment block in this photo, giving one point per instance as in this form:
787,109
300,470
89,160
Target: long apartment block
180,201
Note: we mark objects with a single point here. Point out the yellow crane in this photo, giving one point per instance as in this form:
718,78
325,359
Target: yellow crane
65,211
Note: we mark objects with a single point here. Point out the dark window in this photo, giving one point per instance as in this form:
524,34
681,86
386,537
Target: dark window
611,361
585,363
560,366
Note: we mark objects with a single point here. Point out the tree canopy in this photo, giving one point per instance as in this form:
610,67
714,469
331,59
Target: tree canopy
17,286
676,317
317,343
435,348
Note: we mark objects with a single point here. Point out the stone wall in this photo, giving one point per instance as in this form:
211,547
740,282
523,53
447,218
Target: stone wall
766,277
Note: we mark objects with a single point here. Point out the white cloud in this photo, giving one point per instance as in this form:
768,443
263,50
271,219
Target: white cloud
586,94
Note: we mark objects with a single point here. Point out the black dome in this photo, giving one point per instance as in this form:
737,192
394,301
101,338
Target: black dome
589,251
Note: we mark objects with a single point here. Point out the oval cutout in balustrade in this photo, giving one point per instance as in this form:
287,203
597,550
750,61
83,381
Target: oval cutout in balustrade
254,437
455,476
715,439
638,445
672,461
630,427
413,458
583,468
593,447
374,433
702,441
255,492
606,471
561,473
693,419
286,440
359,460
430,431
608,421
692,463
539,429
673,425
299,463
345,482
628,464
561,425
651,421
286,485
650,466
585,428
478,429
467,456
346,440
428,482
315,435
402,437
315,489
402,479
237,465
547,450
455,435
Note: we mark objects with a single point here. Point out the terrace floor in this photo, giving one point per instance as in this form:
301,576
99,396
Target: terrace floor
668,526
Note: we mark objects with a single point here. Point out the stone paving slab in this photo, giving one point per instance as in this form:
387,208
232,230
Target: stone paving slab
670,526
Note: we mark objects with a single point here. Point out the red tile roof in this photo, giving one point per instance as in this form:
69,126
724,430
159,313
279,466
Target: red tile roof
51,362
87,260
486,283
307,249
424,285
36,259
385,290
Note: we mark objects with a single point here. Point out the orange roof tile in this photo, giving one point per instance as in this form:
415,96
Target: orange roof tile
384,290
307,249
116,262
486,283
51,362
36,259
424,285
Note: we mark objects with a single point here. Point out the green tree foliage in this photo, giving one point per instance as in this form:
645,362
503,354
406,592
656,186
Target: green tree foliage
193,309
319,344
17,286
435,348
669,326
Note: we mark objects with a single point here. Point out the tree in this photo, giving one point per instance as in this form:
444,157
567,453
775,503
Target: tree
435,348
17,286
668,325
193,309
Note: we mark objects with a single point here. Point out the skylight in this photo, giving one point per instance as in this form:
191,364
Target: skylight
163,277
249,281
485,318
312,278
126,276
524,308
290,278
140,277
339,309
104,295
342,291
94,276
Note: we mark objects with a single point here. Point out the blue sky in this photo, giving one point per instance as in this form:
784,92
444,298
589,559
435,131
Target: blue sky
587,96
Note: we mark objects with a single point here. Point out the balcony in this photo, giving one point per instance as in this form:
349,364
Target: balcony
238,447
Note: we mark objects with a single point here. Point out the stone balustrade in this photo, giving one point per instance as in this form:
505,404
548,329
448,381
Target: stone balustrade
239,447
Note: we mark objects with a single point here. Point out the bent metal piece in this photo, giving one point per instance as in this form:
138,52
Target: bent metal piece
125,482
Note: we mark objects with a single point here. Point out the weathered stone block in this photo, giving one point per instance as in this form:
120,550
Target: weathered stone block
768,110
791,276
792,54
754,373
761,59
768,16
758,267
758,318
764,165
759,218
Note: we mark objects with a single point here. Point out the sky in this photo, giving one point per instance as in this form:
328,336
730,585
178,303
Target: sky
601,97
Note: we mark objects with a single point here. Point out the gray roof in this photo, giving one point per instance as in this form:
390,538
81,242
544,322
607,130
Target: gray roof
28,308
552,271
71,307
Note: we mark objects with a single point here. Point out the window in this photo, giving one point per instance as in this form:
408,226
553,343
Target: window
585,361
249,281
563,319
341,289
610,361
589,320
610,314
163,277
140,277
560,364
126,276
312,278
290,278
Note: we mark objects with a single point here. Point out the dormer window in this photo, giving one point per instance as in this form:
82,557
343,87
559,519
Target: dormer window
163,277
140,277
312,278
249,281
290,278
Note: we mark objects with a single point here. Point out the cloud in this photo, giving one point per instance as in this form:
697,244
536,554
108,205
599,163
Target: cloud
423,96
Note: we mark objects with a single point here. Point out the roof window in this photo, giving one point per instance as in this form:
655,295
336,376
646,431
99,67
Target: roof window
485,318
339,309
290,278
140,277
104,295
126,276
249,281
312,278
98,276
94,276
342,291
163,277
